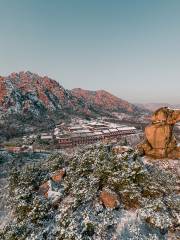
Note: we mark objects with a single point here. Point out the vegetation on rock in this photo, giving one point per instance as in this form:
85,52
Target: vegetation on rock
146,194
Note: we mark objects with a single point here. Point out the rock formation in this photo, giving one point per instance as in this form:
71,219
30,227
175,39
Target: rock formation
160,141
109,199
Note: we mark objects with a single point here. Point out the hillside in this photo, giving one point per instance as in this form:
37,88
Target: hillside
104,101
93,194
26,92
28,100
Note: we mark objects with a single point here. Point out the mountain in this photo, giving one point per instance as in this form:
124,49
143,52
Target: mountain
30,100
25,92
155,106
104,101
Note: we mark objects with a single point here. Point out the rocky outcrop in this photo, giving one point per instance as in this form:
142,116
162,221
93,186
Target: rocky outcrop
109,199
160,141
44,188
51,189
58,175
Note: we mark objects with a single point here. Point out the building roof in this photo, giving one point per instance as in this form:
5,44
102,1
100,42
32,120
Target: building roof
82,131
113,130
126,128
105,131
97,133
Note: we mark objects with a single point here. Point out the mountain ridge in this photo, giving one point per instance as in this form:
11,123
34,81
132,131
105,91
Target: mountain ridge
155,106
28,100
23,86
103,99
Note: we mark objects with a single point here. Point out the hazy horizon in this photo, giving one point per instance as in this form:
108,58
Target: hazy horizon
129,48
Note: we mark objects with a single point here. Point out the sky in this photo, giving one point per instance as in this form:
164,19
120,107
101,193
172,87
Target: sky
130,48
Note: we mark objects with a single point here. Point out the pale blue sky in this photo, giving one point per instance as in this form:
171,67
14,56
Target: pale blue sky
128,47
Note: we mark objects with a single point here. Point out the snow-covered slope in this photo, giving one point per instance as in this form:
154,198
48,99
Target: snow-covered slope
99,196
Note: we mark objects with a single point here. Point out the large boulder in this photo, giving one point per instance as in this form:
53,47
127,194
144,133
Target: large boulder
58,175
44,188
159,136
109,199
52,189
160,141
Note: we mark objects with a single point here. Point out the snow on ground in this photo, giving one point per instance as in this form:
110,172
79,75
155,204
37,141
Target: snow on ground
168,164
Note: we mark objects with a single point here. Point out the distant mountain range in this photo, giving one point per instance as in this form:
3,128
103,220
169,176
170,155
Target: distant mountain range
155,106
26,97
